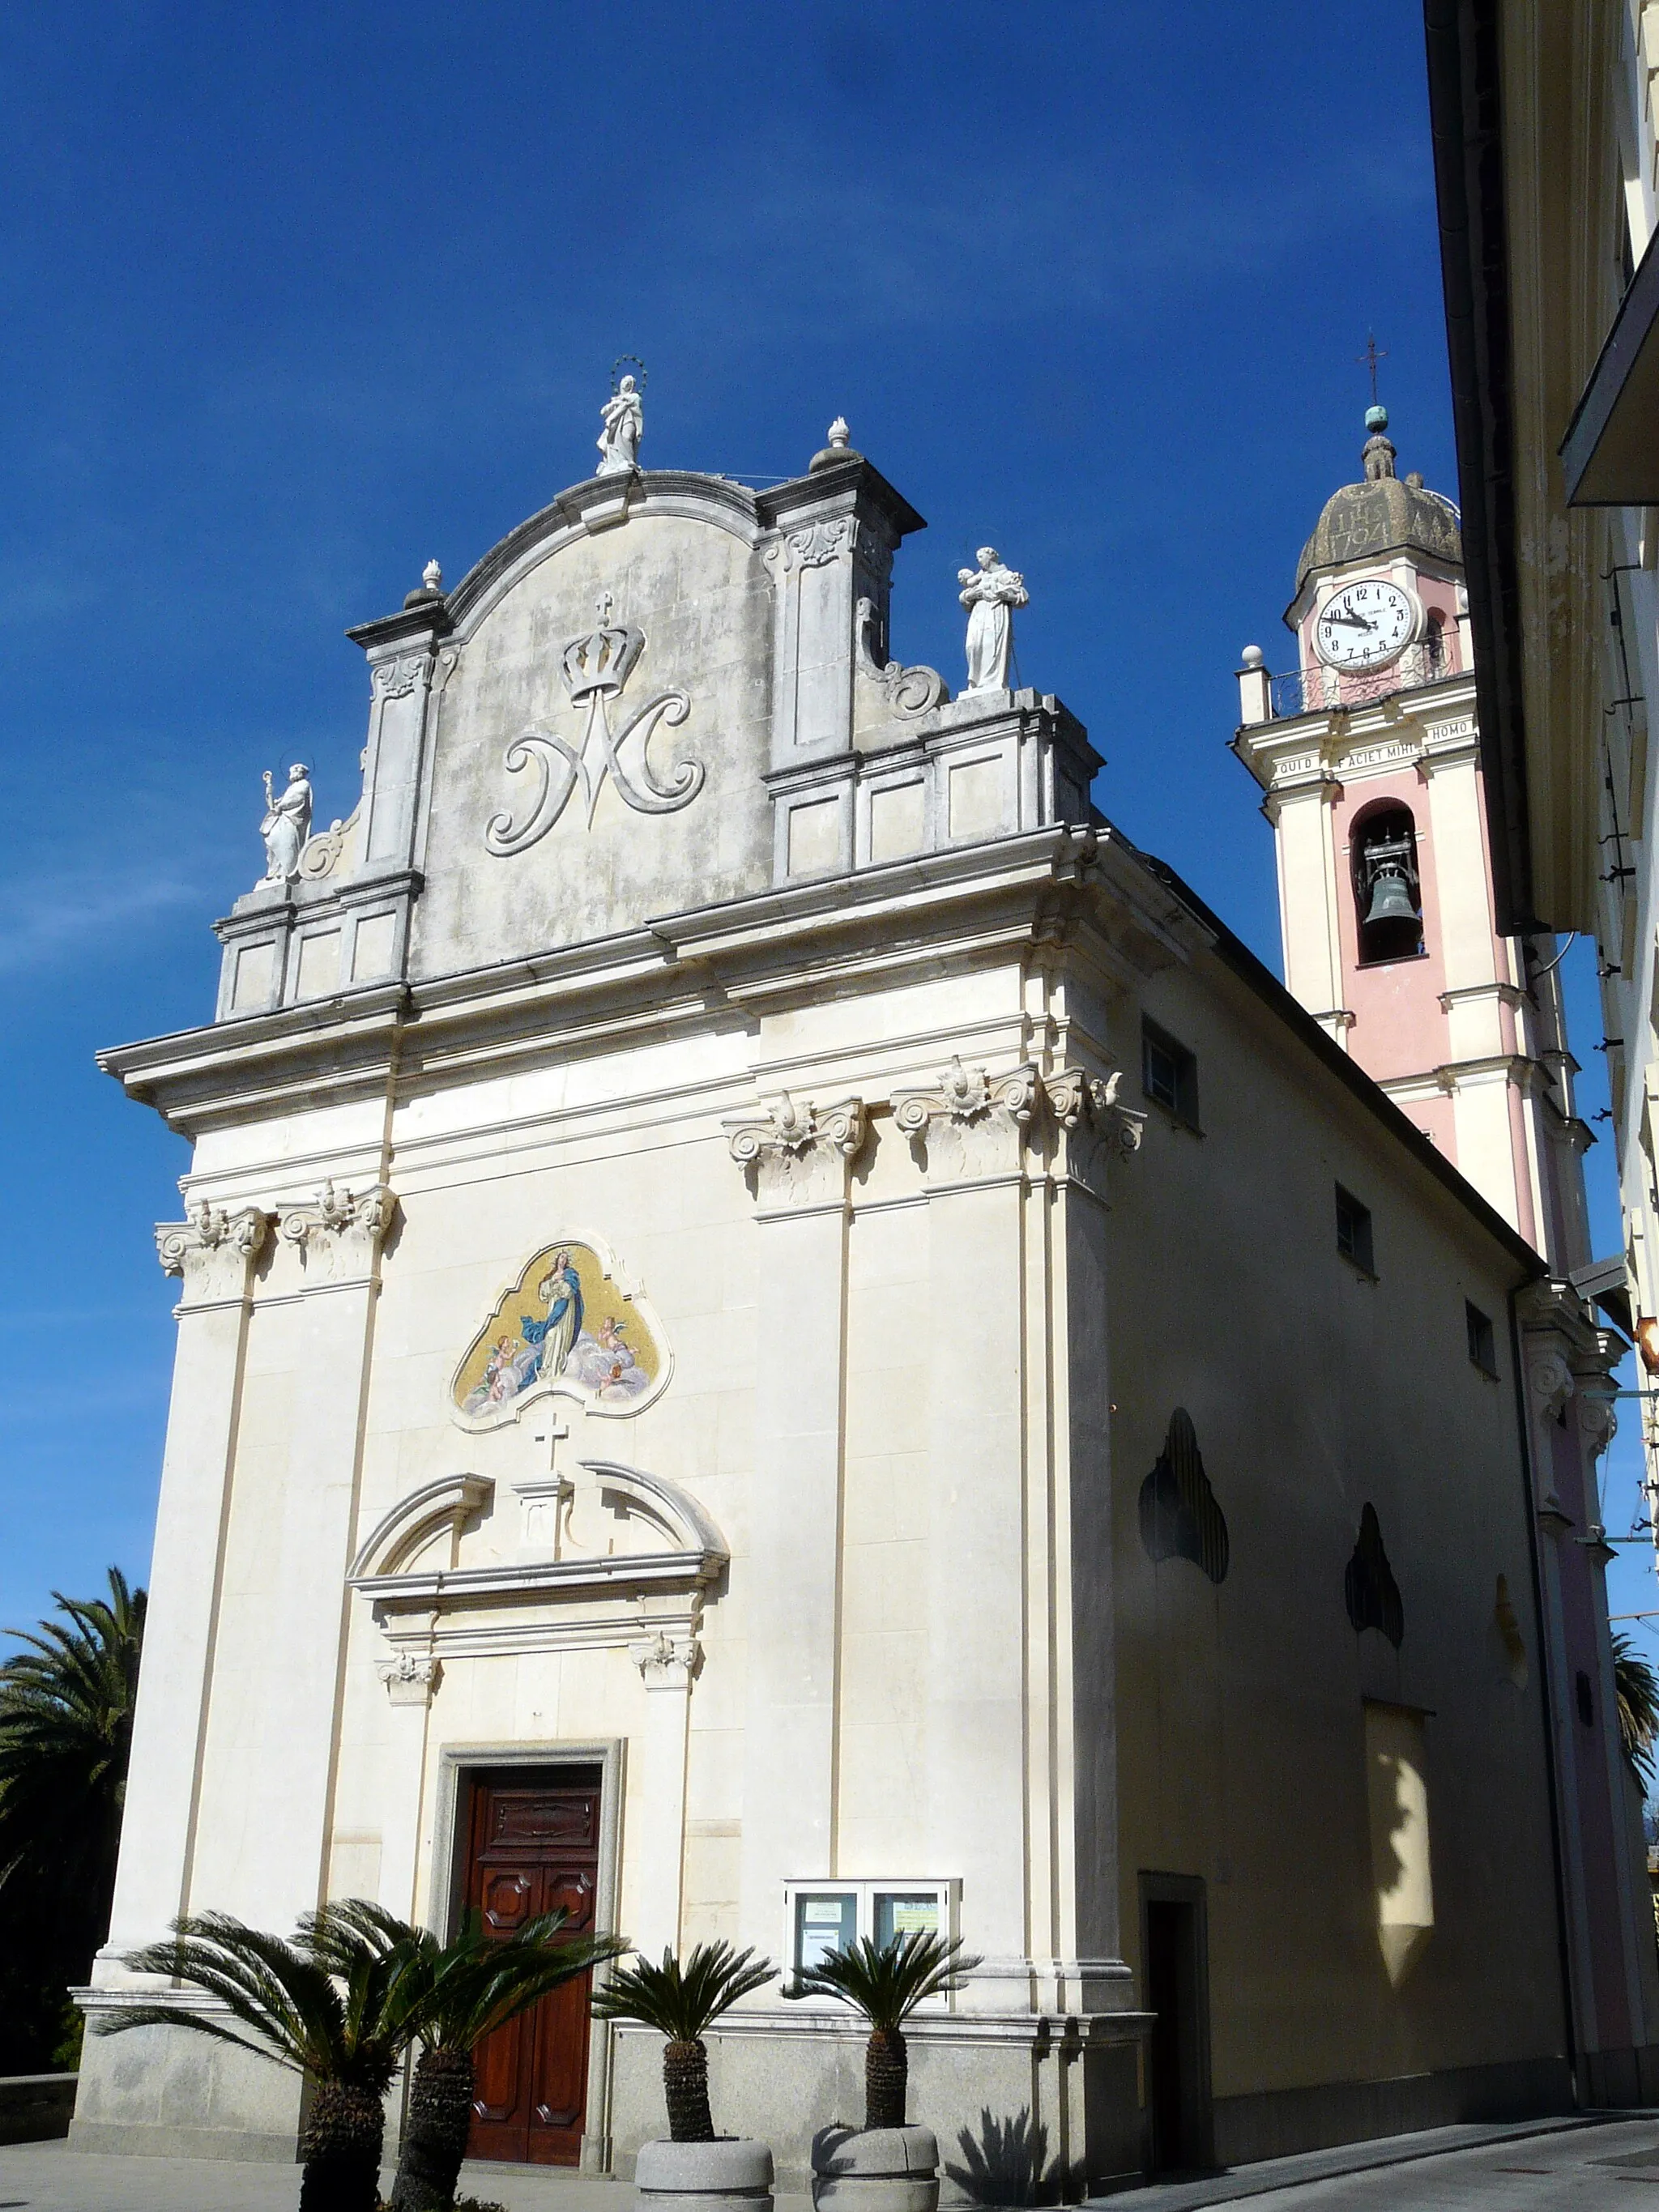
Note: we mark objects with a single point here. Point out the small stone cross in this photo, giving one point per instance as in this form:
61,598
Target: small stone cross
555,1434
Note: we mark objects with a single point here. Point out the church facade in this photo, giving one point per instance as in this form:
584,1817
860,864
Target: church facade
781,1336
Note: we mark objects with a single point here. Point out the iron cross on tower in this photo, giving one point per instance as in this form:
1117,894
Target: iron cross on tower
1369,359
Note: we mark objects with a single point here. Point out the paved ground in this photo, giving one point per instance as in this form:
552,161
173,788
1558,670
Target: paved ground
1583,2166
50,2177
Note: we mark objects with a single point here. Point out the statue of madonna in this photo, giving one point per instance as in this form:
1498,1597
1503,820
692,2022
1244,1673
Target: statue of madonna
624,426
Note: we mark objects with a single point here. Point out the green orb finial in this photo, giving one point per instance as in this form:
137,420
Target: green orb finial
1376,418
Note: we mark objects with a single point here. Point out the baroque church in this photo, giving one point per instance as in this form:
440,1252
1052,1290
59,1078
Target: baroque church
783,1336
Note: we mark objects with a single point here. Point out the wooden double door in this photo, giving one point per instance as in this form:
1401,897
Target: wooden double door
533,1845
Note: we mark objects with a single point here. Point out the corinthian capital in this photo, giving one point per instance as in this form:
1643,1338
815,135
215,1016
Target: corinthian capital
212,1250
339,1236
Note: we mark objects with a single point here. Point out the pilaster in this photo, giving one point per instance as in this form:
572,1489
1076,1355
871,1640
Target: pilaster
1567,1361
268,1775
799,1158
1020,1771
1299,807
668,1665
214,1254
837,529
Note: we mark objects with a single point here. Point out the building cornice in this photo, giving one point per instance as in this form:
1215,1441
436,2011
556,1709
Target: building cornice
1290,749
712,965
1070,888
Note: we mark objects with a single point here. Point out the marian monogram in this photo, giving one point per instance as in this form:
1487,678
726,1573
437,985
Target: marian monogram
595,668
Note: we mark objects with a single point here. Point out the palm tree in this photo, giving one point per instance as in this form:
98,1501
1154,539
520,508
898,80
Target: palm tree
66,1732
683,2003
886,1983
65,1720
467,1988
1637,1688
341,2014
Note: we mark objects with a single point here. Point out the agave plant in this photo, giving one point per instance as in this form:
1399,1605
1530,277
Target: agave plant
683,2003
886,1983
342,2015
459,1993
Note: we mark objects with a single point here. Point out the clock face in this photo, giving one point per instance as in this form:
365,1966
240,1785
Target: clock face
1364,624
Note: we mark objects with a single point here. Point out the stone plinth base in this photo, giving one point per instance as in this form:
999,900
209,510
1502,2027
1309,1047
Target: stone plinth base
173,2092
1026,2109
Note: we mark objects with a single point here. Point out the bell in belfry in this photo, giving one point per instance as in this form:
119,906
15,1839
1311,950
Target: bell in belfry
1391,896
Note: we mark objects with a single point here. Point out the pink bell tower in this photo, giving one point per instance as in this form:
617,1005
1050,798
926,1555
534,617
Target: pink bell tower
1368,754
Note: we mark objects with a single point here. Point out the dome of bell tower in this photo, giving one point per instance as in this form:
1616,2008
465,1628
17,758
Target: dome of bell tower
1381,515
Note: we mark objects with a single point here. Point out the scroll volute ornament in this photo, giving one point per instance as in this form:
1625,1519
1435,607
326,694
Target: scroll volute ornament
798,1153
212,1250
339,1236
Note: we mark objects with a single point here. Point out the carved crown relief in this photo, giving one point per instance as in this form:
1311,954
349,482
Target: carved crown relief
566,1327
595,668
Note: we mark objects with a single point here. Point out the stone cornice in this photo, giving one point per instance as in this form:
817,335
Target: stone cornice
1413,720
680,972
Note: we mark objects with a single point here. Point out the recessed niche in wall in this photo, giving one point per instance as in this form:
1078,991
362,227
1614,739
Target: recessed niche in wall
1507,1624
1372,1593
1180,1516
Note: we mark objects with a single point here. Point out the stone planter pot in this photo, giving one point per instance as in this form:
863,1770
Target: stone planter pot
875,2170
729,2175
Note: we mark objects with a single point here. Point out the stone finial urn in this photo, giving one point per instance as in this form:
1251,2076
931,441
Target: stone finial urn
875,2170
731,2174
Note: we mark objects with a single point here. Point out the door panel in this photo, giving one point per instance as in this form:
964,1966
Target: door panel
533,1847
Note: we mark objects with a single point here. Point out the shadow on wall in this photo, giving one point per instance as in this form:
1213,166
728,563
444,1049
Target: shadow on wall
1008,2165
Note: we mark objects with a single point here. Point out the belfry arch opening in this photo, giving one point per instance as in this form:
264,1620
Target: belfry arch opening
1386,885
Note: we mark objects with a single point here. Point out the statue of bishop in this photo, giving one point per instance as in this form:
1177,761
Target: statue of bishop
287,824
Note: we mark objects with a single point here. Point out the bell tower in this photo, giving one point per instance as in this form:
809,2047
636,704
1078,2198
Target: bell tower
1367,750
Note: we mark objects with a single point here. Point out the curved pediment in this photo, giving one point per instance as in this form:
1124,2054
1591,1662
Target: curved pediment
668,1544
414,1521
601,503
602,724
565,1326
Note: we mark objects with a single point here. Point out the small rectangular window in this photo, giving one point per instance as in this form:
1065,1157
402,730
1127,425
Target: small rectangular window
1482,1345
829,1916
1353,1230
1168,1073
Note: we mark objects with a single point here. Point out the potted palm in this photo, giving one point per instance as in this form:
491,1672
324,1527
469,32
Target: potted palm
886,2166
342,2021
461,1992
681,2002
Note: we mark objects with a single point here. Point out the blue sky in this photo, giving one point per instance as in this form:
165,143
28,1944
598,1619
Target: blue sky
298,297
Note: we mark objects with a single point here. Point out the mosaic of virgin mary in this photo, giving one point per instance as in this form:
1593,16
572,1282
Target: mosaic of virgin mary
563,1325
